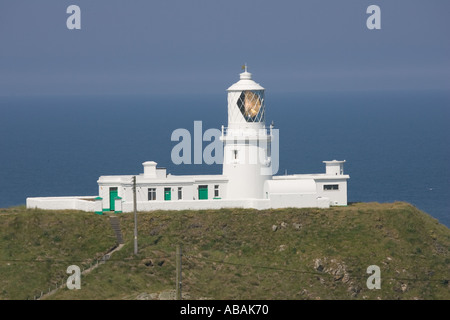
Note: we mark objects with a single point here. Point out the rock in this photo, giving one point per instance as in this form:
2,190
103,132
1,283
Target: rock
160,263
167,295
284,224
338,277
297,226
147,296
274,228
346,278
154,231
354,290
148,262
318,265
404,287
282,247
163,295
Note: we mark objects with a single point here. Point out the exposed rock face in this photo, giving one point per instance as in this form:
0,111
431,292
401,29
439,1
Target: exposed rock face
318,265
404,287
297,226
338,271
163,295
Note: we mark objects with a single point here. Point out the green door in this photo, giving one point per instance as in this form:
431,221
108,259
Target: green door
112,196
203,192
167,195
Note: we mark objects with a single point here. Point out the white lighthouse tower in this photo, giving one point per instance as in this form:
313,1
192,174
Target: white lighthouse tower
247,142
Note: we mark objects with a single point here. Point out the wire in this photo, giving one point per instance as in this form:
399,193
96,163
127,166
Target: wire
306,272
171,255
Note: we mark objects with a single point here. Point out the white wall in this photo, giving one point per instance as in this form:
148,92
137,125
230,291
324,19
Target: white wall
293,200
62,203
277,201
336,197
284,201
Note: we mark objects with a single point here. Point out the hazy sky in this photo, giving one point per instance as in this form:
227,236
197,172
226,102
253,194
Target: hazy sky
143,46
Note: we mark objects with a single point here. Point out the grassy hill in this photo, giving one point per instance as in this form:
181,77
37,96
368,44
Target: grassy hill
231,253
37,246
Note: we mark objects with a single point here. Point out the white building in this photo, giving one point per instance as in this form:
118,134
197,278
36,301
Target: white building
246,180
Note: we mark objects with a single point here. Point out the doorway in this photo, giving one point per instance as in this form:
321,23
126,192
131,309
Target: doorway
113,193
167,194
203,192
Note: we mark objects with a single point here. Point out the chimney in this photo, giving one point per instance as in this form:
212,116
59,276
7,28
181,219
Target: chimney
149,169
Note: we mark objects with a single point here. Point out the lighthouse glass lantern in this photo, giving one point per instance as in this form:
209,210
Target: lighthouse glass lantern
251,105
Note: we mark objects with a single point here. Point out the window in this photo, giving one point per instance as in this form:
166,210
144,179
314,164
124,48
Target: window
251,105
151,194
216,191
180,193
330,187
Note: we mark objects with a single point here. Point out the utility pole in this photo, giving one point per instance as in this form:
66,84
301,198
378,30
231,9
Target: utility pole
135,216
178,279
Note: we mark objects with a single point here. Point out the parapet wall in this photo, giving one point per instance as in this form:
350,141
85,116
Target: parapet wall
62,203
88,203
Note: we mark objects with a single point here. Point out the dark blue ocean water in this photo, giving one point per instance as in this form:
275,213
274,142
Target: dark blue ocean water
397,144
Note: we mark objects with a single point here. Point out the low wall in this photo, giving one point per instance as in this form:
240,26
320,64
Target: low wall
195,205
88,203
62,203
259,204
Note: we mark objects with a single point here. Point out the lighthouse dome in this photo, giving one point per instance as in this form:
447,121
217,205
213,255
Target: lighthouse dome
245,83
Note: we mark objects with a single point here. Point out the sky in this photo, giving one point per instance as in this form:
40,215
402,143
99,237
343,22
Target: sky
199,46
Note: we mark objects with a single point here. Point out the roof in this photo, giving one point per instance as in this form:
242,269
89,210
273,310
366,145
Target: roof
245,83
334,161
169,179
316,176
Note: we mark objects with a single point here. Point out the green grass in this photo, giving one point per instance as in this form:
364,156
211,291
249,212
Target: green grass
234,254
37,246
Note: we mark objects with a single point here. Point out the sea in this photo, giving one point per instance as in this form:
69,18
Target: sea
396,144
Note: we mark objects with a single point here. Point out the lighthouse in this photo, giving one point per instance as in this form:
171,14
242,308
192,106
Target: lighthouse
248,178
246,140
